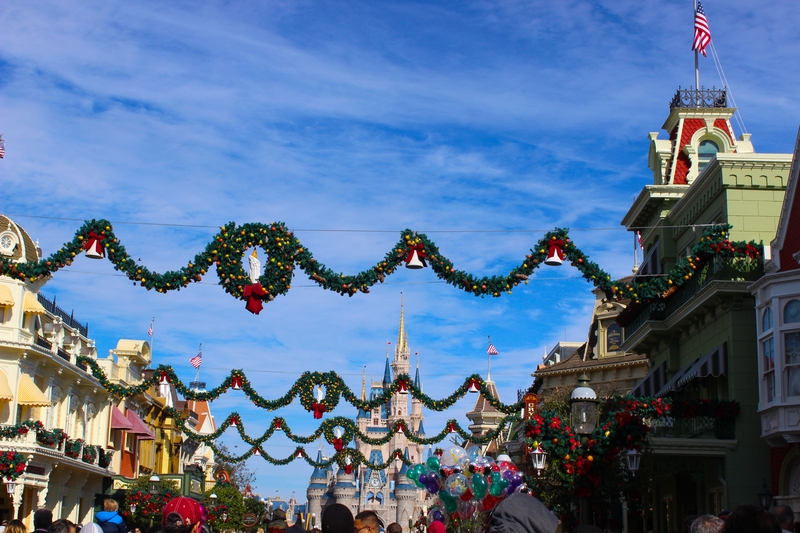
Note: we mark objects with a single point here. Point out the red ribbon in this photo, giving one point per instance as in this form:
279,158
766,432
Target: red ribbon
164,377
554,246
277,424
348,469
254,294
338,445
402,386
420,249
318,409
93,240
475,383
234,422
400,428
236,382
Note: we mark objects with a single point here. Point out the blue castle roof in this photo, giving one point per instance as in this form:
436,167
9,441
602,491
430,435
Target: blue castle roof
416,378
376,456
420,430
319,472
387,372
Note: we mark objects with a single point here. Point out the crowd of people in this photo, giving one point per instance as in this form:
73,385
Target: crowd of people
518,513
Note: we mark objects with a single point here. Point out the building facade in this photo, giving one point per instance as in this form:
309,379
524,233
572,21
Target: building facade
701,339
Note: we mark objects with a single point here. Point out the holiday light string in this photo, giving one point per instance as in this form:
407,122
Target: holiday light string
285,253
331,387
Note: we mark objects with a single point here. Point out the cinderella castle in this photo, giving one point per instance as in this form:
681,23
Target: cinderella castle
387,492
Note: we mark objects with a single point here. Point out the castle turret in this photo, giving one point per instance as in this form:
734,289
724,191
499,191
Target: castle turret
485,417
400,365
406,495
344,491
416,406
317,488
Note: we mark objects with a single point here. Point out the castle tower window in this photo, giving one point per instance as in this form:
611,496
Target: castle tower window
705,153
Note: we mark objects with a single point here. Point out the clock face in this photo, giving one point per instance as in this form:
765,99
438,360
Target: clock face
6,242
375,482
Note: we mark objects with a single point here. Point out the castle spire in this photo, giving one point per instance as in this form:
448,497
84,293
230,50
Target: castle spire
387,373
416,374
402,338
364,384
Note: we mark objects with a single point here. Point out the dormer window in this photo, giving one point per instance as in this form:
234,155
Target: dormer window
705,153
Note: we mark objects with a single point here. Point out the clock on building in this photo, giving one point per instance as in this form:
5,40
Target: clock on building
374,482
8,241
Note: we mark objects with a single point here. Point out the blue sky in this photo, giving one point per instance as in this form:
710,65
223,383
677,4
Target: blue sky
503,116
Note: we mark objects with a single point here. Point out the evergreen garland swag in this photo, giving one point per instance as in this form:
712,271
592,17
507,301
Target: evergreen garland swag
285,253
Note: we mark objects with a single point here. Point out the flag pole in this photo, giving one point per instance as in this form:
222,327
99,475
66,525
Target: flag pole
197,375
152,338
696,61
489,362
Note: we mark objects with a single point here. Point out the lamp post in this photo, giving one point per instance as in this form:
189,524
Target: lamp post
765,496
632,458
539,459
133,508
152,484
11,486
584,405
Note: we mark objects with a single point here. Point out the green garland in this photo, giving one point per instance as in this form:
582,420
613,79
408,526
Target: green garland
285,253
328,429
334,390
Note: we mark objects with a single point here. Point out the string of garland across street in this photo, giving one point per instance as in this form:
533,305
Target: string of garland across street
285,253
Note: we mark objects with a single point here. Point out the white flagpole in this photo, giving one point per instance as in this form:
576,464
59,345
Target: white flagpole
197,376
152,338
489,361
696,62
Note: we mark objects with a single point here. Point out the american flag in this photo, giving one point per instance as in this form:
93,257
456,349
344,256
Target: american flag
2,147
639,238
197,360
702,35
150,330
491,350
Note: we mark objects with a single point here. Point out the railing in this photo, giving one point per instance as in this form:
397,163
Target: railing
701,427
695,98
68,318
716,270
44,343
63,354
79,451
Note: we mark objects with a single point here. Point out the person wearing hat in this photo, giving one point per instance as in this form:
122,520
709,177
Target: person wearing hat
182,515
276,526
279,514
521,513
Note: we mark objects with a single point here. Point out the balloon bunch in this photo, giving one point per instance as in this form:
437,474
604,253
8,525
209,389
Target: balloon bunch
466,482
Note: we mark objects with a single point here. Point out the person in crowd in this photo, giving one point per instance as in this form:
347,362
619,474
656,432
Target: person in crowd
182,515
42,519
785,517
723,515
747,518
15,526
436,527
110,519
3,525
298,526
706,523
366,522
337,518
92,528
276,526
522,513
279,514
62,525
394,527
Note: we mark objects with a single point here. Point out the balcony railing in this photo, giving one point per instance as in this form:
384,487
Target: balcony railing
79,451
63,354
695,98
701,427
716,270
68,318
44,343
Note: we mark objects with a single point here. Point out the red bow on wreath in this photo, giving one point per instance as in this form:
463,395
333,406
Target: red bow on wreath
421,255
254,294
278,423
93,242
236,383
402,386
348,469
318,409
555,246
401,428
164,378
338,445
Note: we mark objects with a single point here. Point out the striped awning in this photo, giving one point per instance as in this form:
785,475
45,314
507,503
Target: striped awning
672,384
118,420
31,305
714,364
139,429
6,300
652,382
5,390
29,394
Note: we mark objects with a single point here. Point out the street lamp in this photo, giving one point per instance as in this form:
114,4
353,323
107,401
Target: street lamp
11,486
539,459
224,516
584,407
765,495
133,508
213,498
152,484
632,458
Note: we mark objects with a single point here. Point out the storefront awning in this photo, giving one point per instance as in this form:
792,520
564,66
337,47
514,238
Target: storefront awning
652,382
714,364
6,300
31,305
29,394
118,420
672,384
139,429
5,390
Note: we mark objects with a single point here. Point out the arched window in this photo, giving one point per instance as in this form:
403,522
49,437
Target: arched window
766,320
705,153
791,313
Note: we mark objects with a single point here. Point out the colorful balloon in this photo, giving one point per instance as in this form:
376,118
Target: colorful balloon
479,486
453,455
456,485
433,463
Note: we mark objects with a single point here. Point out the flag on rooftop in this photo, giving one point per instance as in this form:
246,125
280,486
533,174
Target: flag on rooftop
197,360
150,330
491,350
702,35
2,147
